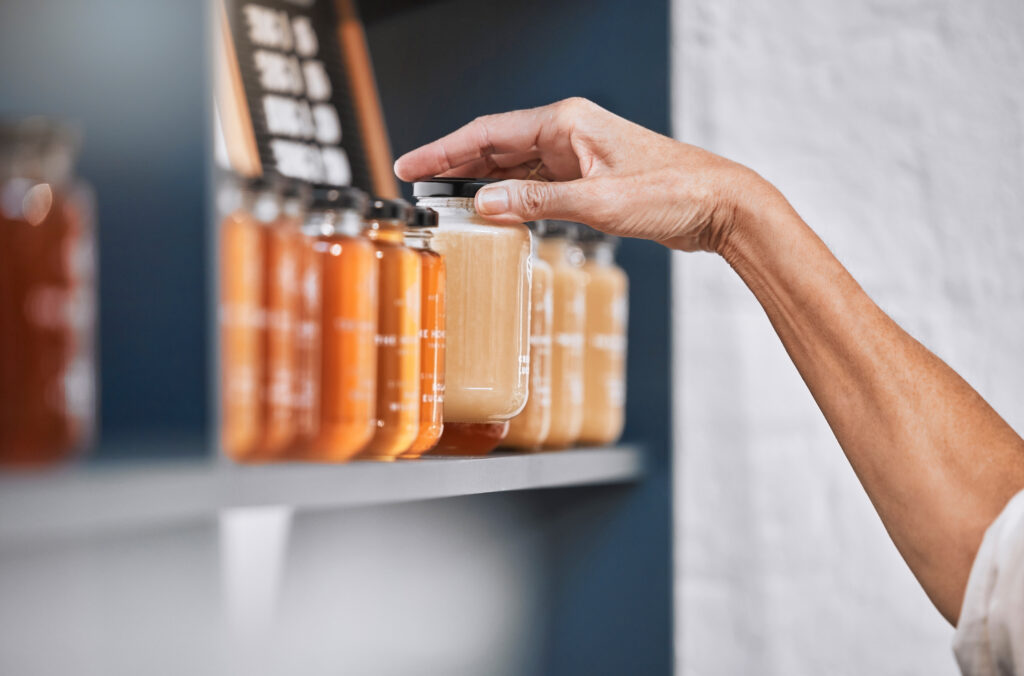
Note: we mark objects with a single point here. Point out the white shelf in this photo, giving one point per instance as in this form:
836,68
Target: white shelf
84,500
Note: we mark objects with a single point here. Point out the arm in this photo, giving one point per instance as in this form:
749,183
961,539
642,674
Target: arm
937,462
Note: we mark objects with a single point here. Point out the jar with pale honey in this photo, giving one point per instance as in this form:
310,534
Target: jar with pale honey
604,340
529,429
488,305
559,249
432,333
397,419
347,353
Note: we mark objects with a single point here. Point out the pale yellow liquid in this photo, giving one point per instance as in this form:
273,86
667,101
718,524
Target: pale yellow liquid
604,353
569,294
530,428
488,320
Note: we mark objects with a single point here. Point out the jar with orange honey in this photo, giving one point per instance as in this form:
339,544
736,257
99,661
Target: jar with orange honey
47,296
280,309
347,352
398,331
432,336
240,244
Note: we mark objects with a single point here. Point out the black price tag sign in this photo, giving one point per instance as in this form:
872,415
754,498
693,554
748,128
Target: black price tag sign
299,98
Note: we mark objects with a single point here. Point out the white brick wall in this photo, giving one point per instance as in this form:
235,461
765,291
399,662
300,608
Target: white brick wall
896,128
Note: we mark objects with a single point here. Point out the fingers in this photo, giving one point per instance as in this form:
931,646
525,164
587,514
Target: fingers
515,201
514,132
496,166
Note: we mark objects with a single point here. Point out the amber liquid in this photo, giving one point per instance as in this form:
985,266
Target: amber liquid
280,305
432,349
470,438
348,351
306,392
567,346
398,346
46,319
241,359
529,429
604,373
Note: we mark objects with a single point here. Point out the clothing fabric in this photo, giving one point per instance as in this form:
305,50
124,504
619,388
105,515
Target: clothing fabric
989,638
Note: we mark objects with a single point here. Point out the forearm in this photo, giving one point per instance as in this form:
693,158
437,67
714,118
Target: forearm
937,462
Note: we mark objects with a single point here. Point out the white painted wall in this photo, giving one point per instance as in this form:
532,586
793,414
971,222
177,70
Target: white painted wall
896,128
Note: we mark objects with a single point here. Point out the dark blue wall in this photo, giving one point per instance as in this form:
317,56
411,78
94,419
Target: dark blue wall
134,75
441,64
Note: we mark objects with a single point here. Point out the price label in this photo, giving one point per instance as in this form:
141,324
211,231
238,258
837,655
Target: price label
298,96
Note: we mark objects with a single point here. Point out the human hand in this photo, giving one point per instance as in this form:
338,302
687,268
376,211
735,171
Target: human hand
573,160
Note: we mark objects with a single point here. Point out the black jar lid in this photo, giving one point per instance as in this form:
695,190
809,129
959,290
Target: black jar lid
449,187
380,209
538,228
586,234
423,217
349,198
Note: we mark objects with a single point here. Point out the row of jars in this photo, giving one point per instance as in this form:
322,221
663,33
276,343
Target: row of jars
356,328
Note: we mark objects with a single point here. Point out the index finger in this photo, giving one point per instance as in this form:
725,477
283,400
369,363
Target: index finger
512,132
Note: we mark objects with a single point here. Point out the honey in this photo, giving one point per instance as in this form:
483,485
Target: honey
604,373
529,429
560,251
348,269
432,333
398,332
488,305
240,316
470,438
47,298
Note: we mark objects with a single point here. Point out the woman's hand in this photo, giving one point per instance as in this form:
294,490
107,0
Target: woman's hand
594,167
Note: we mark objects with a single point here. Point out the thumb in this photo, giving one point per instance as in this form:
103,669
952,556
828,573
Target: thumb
518,201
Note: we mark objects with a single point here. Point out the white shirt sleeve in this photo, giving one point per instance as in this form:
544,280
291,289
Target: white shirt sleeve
989,637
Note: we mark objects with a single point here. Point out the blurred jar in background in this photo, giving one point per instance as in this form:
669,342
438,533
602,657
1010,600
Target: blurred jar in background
488,305
246,209
398,331
529,429
47,297
604,351
559,248
347,354
432,336
280,306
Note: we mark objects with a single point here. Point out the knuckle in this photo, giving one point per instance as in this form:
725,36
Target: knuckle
532,198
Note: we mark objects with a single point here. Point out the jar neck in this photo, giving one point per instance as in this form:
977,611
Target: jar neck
450,208
558,250
600,253
418,239
329,222
266,207
385,230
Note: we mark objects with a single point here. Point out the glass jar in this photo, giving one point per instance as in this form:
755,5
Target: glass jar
47,297
432,334
488,305
529,429
398,331
604,344
280,304
247,208
558,247
347,354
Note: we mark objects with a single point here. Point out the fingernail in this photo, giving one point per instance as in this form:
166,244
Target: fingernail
492,201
